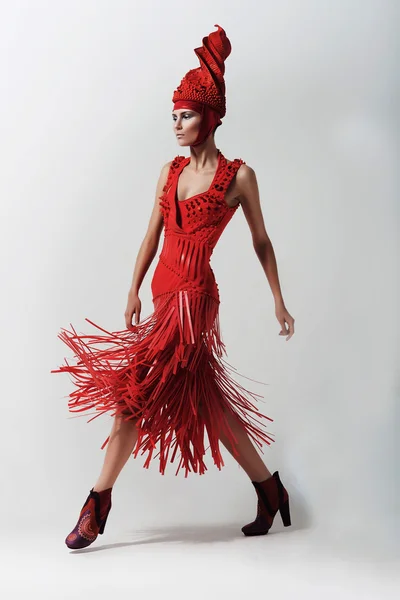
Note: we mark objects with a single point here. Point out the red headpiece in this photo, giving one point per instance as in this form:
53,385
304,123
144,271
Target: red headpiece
203,89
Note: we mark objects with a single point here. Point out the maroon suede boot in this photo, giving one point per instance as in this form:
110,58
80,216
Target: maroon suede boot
272,496
92,519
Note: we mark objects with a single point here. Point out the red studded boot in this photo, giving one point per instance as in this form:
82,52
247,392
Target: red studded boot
92,519
272,496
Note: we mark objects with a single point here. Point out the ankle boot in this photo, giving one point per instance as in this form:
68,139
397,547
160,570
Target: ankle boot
272,496
92,519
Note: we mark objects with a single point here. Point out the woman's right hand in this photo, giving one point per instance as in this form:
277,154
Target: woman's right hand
133,307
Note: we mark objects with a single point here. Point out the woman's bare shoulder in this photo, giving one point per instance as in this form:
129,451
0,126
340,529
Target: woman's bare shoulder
244,169
166,166
245,173
165,169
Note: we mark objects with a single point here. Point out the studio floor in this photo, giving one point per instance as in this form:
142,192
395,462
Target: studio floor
192,563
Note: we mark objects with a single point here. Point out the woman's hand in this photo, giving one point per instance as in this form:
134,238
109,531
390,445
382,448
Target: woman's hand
284,317
133,307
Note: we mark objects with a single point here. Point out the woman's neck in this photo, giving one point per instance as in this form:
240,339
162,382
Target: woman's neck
204,156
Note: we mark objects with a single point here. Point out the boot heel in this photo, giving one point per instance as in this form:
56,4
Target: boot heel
101,530
285,513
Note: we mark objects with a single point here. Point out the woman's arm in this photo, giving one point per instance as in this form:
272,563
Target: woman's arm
147,252
250,200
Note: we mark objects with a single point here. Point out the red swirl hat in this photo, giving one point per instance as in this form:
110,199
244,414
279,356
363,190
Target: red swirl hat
203,89
206,83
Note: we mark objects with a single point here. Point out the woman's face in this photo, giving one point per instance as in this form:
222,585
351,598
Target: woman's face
186,125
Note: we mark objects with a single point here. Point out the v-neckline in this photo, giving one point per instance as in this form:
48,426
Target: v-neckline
184,164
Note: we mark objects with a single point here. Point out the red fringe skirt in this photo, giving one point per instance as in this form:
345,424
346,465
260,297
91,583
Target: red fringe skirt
167,372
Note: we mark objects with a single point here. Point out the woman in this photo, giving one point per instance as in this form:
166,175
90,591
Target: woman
164,379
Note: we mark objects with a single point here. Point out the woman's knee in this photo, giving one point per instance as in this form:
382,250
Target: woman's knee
127,416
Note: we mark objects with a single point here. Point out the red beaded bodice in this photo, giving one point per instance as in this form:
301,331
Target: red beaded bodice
192,229
203,216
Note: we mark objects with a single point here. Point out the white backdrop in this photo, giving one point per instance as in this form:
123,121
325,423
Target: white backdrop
85,108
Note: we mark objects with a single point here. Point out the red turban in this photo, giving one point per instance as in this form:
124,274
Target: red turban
203,89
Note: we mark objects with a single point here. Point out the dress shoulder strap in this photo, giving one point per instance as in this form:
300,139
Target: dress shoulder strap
173,168
226,174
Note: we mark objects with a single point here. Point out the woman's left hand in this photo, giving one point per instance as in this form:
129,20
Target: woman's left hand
284,318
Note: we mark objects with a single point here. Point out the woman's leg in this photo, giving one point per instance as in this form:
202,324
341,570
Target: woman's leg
120,446
94,512
248,457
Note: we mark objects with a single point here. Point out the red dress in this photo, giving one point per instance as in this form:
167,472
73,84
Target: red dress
169,370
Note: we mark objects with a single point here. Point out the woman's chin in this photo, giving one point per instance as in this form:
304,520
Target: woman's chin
182,142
